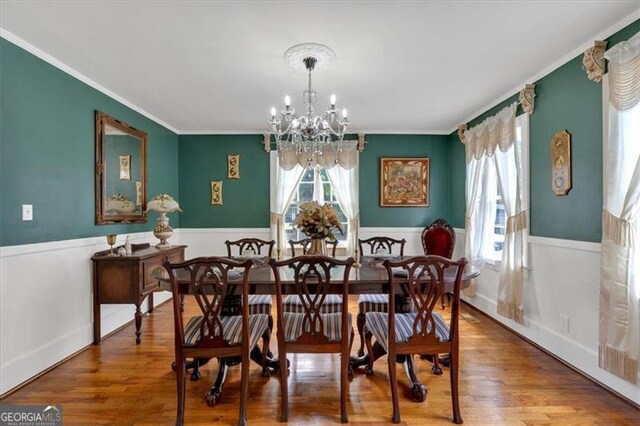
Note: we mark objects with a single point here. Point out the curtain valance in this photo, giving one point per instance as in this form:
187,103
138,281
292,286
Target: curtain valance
624,73
495,131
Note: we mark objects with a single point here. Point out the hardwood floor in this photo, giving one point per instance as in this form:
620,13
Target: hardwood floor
503,380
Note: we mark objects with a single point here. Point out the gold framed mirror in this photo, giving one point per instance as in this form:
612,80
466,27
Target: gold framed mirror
121,172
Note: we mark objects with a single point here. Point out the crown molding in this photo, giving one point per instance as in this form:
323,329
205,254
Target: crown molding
224,132
629,19
7,35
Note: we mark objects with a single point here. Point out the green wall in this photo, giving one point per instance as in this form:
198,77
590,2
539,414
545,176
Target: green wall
565,99
246,200
47,152
203,158
379,146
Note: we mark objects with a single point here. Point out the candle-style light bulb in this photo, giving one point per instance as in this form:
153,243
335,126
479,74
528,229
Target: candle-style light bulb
273,112
287,100
344,113
333,100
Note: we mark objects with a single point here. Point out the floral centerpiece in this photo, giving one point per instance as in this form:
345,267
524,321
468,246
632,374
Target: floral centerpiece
317,222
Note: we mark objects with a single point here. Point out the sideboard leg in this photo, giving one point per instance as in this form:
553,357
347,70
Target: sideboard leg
150,309
138,323
96,323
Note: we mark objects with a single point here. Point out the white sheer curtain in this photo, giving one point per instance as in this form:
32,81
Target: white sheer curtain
346,189
510,290
493,158
620,267
285,183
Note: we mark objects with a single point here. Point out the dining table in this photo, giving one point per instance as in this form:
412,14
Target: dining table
367,276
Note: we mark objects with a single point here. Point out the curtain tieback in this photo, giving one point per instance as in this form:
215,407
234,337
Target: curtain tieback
517,222
617,230
467,222
276,217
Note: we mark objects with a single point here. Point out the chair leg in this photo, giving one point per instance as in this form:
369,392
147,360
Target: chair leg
244,390
453,373
393,382
266,341
360,322
284,388
442,301
180,373
344,384
369,368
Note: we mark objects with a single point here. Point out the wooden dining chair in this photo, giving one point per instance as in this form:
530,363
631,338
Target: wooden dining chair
312,330
374,302
210,334
439,239
259,247
258,303
422,331
304,244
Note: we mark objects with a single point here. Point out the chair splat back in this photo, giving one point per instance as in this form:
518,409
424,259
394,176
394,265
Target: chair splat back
376,243
209,283
312,283
261,247
425,286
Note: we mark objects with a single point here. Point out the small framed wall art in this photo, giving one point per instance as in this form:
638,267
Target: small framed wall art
233,166
216,192
561,163
125,167
404,182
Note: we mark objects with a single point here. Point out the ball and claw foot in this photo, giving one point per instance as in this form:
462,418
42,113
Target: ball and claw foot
360,353
350,373
195,375
436,370
419,392
368,371
212,397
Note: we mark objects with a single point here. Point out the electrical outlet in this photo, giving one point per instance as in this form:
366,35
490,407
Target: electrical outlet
564,324
27,212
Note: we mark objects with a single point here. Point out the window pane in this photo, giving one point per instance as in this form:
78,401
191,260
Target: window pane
341,216
326,187
291,213
308,175
305,192
291,233
345,231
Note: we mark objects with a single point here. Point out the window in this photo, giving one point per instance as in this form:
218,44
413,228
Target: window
500,221
314,186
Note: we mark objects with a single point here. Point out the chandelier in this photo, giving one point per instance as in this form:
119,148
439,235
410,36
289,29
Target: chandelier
307,139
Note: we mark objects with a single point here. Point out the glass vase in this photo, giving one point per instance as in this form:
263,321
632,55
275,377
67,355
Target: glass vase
317,247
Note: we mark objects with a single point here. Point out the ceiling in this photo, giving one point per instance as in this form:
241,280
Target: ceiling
420,67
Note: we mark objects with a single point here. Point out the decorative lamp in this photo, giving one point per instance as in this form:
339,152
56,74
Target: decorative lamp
163,204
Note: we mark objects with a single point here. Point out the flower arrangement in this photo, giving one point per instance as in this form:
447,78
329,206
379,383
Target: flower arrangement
317,221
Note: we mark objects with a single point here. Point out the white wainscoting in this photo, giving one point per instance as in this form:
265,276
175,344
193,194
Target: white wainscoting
46,298
210,241
46,305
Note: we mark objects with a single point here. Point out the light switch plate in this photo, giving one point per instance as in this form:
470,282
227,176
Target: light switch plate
27,212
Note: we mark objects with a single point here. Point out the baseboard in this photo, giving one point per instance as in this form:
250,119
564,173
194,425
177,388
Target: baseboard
71,356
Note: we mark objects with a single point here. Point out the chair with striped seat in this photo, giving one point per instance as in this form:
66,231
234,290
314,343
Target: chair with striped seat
258,303
312,329
210,334
422,331
333,302
375,302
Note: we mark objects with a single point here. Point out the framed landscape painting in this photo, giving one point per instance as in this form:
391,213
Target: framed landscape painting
404,182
